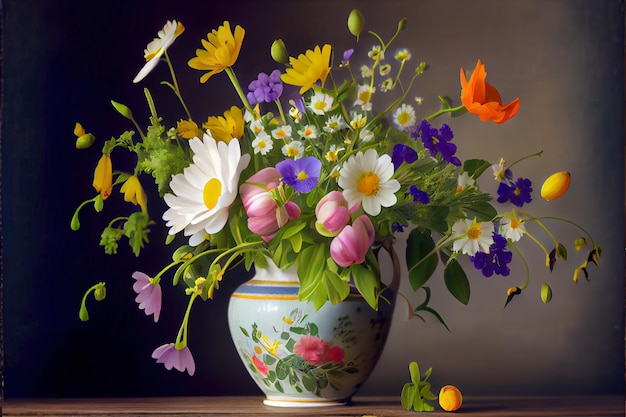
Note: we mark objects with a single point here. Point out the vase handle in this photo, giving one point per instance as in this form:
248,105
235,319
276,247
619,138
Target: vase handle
394,285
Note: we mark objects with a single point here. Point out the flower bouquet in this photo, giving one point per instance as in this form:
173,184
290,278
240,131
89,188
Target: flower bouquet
319,182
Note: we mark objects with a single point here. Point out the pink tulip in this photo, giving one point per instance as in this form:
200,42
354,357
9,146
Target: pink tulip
350,246
265,215
333,214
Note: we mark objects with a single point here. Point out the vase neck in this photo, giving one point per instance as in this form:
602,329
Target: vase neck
272,273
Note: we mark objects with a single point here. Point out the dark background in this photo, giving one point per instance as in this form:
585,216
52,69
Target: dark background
65,60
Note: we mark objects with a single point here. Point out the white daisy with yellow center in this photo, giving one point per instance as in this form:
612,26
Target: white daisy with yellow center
321,103
282,132
309,132
512,228
471,236
262,143
334,124
364,96
157,47
293,149
203,193
366,178
404,116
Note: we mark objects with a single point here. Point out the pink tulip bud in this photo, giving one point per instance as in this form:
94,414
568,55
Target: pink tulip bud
333,214
351,245
265,215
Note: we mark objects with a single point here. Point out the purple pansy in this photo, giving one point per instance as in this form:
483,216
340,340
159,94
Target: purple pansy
181,359
266,88
437,141
148,294
302,174
402,153
419,195
518,192
494,262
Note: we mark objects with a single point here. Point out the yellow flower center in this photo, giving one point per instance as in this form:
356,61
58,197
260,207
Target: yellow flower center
368,184
320,105
211,193
308,132
474,231
280,133
515,224
365,96
331,156
291,152
261,144
404,118
517,191
302,175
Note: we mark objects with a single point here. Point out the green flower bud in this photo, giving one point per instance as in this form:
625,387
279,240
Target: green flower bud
85,141
402,24
122,109
546,293
100,292
356,22
98,203
279,52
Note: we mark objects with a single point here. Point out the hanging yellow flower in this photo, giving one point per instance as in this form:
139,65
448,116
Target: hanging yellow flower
308,68
221,50
103,176
134,193
229,126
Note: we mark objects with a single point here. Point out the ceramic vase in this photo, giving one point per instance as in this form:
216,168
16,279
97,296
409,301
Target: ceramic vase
300,357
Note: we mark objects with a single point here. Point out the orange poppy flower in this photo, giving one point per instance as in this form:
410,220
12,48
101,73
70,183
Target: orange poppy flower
483,99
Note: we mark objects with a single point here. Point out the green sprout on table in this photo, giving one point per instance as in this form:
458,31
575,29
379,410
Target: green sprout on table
416,393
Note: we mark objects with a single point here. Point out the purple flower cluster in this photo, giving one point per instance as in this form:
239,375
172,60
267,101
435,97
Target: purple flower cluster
518,192
494,262
419,195
266,88
437,141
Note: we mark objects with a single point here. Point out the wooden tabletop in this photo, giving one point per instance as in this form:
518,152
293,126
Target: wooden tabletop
361,406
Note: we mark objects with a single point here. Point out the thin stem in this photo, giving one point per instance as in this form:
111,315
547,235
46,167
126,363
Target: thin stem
233,79
443,111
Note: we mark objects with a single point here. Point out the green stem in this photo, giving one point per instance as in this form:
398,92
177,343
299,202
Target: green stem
526,157
181,337
537,242
523,286
567,221
233,79
443,111
175,82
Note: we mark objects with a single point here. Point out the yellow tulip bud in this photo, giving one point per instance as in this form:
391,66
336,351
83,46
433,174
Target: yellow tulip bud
555,185
450,398
85,141
356,22
279,52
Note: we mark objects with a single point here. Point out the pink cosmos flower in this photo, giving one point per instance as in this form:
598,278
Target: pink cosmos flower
148,294
265,216
181,359
351,245
333,214
260,366
312,349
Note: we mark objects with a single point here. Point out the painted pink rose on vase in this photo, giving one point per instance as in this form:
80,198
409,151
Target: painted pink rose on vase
333,214
350,246
312,349
265,215
260,366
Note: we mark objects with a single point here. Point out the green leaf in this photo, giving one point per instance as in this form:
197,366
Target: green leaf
414,370
367,283
483,211
407,397
475,167
419,245
457,281
561,251
122,109
309,382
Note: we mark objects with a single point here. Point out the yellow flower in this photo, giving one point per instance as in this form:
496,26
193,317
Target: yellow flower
450,398
308,68
188,129
133,193
270,346
103,176
221,50
228,127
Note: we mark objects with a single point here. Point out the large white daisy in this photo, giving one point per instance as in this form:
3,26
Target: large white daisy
366,178
203,193
157,47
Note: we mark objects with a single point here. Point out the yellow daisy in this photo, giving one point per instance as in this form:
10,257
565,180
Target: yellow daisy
221,50
228,127
308,68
